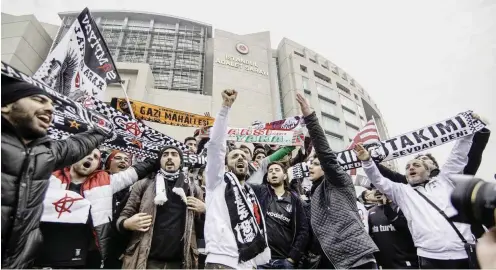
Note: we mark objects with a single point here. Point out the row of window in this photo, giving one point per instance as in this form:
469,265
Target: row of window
334,69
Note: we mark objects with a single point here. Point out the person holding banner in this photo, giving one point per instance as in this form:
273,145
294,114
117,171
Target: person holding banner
425,202
235,232
339,234
82,238
28,159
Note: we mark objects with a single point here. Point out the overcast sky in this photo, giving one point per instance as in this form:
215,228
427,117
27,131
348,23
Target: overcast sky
420,61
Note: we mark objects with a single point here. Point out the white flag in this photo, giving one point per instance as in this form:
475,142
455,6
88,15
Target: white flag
80,65
65,206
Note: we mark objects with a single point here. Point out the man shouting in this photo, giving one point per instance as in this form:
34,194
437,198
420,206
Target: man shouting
234,227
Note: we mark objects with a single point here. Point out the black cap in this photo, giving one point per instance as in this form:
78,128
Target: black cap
13,90
181,157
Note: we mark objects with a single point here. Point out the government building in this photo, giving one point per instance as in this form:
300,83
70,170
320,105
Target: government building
184,64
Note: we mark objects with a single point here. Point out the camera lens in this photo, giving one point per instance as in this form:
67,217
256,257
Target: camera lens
475,201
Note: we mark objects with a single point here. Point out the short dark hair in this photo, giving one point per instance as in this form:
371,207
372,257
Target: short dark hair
189,139
280,164
284,170
430,156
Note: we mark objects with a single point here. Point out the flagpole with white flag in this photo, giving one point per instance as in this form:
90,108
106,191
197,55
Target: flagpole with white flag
127,100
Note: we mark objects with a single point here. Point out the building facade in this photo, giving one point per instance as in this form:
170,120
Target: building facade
25,41
185,64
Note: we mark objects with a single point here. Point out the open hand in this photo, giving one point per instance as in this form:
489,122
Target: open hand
228,97
139,222
304,106
361,152
195,204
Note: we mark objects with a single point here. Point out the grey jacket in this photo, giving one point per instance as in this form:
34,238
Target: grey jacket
25,173
334,214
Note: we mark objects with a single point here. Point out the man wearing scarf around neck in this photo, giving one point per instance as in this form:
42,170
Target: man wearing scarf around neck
161,213
235,232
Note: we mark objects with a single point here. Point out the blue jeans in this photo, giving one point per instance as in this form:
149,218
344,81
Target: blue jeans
277,264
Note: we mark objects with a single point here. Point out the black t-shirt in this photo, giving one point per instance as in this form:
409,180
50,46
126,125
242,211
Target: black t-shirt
395,244
168,228
65,244
279,222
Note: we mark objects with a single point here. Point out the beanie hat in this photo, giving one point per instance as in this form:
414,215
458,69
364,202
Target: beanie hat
181,157
259,150
13,90
112,155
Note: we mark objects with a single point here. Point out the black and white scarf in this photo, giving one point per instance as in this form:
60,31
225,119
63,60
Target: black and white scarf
250,237
180,184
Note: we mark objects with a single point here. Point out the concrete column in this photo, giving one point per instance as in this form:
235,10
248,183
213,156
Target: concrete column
121,38
173,60
149,40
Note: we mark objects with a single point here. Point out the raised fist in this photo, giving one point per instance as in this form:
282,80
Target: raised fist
228,97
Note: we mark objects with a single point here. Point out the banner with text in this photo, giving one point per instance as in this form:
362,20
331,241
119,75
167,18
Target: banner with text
290,123
163,115
80,65
265,136
445,131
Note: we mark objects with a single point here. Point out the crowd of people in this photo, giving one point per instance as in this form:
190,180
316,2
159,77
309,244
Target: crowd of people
241,210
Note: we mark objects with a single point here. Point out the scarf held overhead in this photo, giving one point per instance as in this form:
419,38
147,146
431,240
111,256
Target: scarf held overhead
454,128
266,136
70,118
163,115
290,123
80,65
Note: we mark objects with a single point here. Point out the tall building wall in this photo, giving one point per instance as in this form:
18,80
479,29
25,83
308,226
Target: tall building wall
174,47
243,62
183,64
342,105
25,42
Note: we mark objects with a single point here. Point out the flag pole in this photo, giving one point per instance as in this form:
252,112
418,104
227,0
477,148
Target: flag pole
127,99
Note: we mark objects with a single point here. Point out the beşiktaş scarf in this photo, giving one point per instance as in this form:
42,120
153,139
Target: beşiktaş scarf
70,117
248,224
180,183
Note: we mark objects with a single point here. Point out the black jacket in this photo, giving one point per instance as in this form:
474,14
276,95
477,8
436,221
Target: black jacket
264,195
25,173
335,220
397,250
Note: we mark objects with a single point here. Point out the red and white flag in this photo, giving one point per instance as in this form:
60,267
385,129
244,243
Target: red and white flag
65,206
366,135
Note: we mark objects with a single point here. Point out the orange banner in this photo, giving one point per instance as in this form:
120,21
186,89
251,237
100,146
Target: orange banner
163,115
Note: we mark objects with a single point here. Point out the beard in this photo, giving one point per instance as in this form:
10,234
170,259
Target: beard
24,123
241,173
276,184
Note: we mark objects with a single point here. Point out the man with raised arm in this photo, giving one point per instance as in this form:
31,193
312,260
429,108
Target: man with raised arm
234,227
339,235
438,244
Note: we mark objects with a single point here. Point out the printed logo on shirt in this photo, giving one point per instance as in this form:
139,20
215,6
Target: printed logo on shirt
278,216
77,255
289,207
383,228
